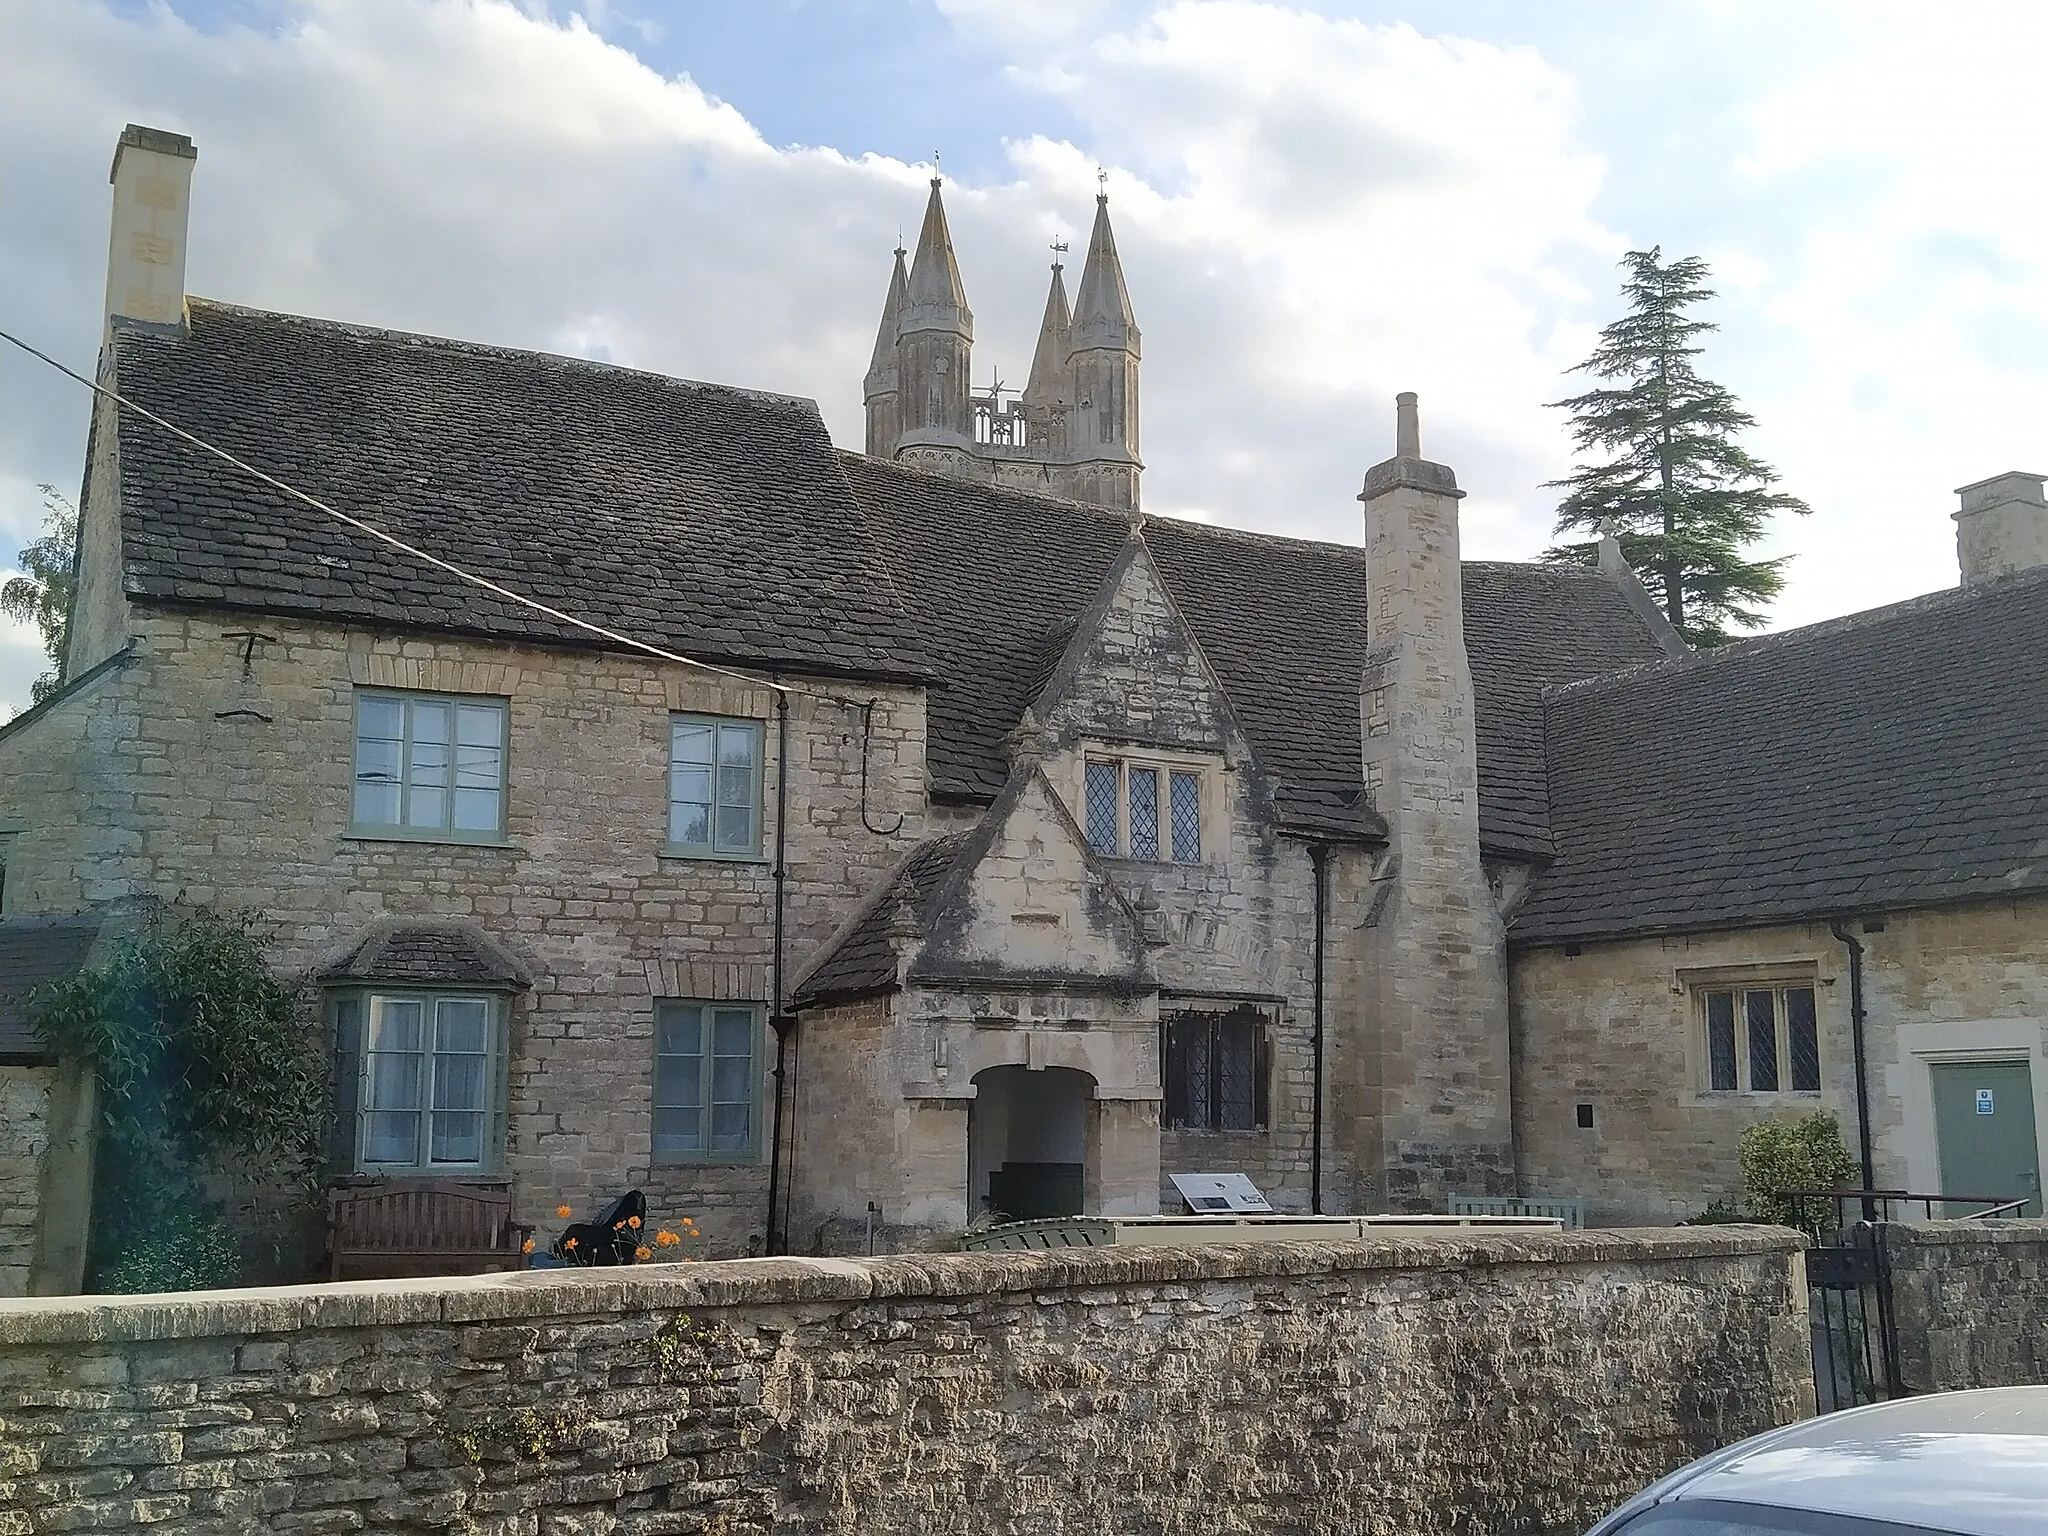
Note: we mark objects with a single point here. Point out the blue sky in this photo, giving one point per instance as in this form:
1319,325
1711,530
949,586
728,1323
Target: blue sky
1317,206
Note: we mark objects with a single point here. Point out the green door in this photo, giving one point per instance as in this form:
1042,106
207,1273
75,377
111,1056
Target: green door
1984,1132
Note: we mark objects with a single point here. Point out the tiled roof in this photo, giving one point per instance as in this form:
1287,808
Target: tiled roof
998,573
708,520
428,954
863,960
33,951
1896,758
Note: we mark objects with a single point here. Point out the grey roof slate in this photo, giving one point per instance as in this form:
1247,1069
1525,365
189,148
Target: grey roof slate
705,519
997,574
863,960
428,954
33,952
1895,758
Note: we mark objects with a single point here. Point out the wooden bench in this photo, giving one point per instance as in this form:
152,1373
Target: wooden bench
399,1228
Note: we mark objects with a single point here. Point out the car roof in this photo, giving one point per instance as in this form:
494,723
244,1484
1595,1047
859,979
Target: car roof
1972,1463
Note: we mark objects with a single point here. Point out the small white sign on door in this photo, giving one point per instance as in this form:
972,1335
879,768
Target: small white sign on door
1983,1101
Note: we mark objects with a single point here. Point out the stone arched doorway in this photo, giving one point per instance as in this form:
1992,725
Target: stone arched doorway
1027,1141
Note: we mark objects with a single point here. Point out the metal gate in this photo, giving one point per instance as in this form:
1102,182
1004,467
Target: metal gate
1849,1309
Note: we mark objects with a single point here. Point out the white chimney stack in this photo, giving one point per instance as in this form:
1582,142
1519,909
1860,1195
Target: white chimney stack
2002,527
152,179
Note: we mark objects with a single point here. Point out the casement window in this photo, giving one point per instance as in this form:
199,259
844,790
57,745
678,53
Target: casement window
706,1082
429,766
714,788
1217,1070
418,1083
1760,1039
1140,810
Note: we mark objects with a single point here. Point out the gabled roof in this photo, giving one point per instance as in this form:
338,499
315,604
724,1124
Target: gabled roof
708,520
33,952
999,575
1895,758
863,960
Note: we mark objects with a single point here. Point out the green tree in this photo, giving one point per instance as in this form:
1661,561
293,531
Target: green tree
1666,476
42,596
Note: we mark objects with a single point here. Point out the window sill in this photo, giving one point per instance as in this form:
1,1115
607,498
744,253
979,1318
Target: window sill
1196,1130
1753,1095
667,1161
708,856
434,839
1126,861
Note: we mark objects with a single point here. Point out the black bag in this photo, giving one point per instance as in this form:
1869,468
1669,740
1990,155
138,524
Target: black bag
611,1239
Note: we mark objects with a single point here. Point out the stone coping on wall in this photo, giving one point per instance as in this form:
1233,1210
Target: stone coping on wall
1939,1234
770,1282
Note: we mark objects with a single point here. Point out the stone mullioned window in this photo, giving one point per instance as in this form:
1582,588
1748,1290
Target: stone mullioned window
1127,816
1761,1038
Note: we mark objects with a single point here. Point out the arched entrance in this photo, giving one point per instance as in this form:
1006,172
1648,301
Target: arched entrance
1027,1141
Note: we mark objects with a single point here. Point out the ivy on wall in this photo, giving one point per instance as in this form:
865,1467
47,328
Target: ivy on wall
205,1068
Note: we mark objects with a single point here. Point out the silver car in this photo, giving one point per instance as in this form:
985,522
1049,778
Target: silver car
1964,1463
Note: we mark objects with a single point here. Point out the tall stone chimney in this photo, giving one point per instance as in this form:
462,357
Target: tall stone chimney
2002,527
1445,1121
152,179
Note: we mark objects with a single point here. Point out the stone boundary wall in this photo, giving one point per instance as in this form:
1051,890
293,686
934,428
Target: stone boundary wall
1970,1303
1455,1382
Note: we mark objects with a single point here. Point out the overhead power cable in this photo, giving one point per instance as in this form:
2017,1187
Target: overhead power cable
401,545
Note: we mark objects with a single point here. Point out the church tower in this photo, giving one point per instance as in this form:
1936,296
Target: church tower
934,349
1074,432
883,387
1102,434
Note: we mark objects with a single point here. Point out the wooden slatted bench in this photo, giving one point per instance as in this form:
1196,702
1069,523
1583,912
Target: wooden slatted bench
399,1228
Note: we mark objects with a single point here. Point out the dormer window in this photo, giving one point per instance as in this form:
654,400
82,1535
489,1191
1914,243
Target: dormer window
1149,811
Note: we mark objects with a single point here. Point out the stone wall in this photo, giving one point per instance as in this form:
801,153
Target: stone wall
219,770
1970,1300
1616,1026
24,1139
1479,1381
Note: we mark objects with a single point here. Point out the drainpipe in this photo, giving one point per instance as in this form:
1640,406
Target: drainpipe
780,1019
1856,1018
1319,856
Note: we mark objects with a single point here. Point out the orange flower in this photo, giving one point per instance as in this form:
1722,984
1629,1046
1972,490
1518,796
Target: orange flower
633,1222
666,1239
618,1226
568,1242
643,1253
527,1246
562,1211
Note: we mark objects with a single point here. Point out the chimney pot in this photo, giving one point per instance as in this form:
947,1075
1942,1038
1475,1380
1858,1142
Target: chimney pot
1407,427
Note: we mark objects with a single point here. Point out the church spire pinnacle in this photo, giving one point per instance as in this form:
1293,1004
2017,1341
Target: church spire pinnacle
1102,307
1045,388
883,386
937,297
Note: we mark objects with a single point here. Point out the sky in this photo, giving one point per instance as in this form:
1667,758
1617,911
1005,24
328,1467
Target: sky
1317,206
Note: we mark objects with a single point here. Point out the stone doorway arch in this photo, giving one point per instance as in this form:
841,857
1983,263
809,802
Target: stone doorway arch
1027,1141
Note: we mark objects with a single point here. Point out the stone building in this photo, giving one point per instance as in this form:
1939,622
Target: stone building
834,843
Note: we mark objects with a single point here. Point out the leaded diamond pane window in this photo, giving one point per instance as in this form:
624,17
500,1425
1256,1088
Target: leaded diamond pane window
1216,1071
1186,790
706,1088
1761,1039
1102,809
714,787
429,766
1144,796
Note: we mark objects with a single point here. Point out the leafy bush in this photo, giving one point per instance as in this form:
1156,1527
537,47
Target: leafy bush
190,1250
1806,1152
204,1061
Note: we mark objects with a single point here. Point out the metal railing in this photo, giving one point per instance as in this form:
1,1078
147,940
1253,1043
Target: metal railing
1883,1204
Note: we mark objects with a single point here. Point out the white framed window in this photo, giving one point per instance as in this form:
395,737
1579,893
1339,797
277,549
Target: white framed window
714,787
419,1083
429,766
1760,1038
1134,809
707,1087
